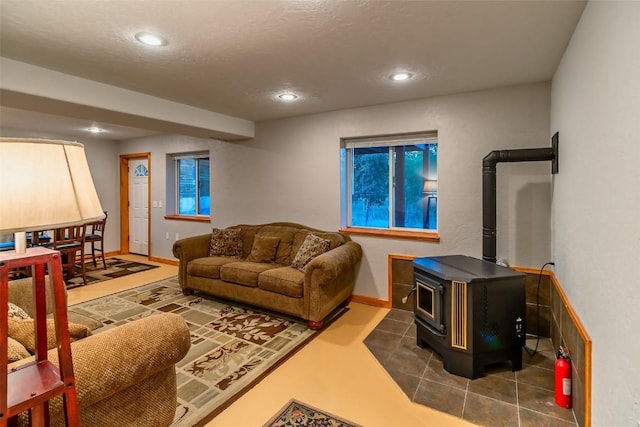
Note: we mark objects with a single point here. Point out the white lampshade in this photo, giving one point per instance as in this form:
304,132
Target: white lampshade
430,186
45,184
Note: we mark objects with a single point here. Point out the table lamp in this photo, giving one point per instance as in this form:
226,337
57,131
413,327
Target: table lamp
44,184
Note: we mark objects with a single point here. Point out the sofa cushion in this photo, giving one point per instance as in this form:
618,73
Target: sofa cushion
311,248
208,267
244,272
264,249
285,280
81,319
23,331
227,242
16,350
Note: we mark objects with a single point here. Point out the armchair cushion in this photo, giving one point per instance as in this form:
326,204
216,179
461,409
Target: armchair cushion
23,331
16,350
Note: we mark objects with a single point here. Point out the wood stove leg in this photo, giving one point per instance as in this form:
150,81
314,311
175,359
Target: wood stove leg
187,292
516,360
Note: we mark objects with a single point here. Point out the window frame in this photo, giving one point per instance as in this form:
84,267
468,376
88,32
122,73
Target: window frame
347,158
174,206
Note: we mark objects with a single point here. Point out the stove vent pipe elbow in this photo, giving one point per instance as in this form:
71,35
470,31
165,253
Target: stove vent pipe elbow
489,163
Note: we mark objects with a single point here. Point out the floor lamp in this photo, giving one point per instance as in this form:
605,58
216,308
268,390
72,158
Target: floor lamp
430,193
44,184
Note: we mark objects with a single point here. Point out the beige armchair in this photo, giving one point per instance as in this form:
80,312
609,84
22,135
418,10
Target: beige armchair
124,375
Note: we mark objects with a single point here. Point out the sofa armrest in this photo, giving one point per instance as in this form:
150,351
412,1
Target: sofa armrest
111,361
338,264
329,281
188,249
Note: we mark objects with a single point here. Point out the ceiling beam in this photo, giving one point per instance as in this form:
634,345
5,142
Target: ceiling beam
26,86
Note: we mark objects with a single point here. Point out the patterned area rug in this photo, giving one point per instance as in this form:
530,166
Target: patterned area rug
232,346
298,414
116,267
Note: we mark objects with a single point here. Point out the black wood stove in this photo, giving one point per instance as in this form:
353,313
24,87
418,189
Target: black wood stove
470,311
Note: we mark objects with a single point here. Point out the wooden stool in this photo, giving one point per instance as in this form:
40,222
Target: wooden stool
31,386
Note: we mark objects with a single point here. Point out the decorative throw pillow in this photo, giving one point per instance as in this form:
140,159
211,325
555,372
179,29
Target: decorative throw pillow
227,242
264,249
22,331
16,350
311,248
17,312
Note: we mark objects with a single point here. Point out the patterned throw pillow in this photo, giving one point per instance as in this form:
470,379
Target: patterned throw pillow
17,312
311,248
227,242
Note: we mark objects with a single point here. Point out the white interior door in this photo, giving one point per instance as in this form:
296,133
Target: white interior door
138,206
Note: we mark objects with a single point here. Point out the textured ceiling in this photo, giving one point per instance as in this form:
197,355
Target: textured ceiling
233,57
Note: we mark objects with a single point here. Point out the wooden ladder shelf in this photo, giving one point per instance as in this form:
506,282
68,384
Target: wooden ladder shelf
31,386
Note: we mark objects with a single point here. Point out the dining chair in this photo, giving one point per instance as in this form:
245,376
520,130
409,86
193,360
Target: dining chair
68,241
95,236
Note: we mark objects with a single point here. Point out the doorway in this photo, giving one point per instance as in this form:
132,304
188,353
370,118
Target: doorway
135,222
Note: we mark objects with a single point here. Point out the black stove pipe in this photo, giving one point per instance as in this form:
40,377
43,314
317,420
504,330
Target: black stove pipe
489,187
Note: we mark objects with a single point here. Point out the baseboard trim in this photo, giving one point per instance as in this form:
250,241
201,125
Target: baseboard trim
361,299
174,262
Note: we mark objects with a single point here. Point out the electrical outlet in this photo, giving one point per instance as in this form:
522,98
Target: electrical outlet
166,235
177,236
154,204
159,203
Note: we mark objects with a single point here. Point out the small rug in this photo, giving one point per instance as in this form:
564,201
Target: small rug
116,267
232,346
298,414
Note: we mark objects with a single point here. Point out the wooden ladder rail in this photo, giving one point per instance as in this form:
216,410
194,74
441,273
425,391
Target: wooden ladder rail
30,387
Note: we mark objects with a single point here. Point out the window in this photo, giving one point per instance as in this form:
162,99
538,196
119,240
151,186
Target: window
391,182
192,184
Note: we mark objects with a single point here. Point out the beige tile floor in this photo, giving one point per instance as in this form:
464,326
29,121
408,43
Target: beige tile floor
335,372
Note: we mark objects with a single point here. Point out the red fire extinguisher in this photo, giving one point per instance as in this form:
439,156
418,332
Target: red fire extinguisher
563,378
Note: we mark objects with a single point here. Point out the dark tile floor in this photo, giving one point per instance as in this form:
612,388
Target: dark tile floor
501,398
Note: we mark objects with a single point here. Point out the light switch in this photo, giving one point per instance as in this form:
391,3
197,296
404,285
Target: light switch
159,203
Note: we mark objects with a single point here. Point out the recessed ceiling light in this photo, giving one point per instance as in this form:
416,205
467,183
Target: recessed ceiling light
288,96
95,129
401,76
150,39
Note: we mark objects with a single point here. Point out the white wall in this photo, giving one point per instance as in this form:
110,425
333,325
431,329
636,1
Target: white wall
291,172
596,198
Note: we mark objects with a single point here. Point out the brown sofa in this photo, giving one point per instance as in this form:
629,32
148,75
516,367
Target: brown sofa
124,375
311,293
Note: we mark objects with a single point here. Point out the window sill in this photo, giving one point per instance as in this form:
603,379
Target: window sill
428,236
188,218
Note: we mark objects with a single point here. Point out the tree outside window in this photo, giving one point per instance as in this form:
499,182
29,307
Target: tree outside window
392,182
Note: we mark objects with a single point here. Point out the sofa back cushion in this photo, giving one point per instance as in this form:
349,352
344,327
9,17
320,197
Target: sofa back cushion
285,235
291,237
